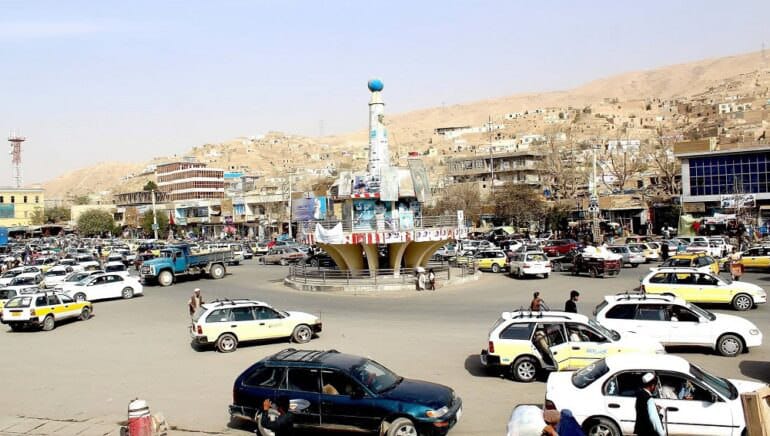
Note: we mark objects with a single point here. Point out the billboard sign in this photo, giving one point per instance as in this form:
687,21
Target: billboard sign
308,209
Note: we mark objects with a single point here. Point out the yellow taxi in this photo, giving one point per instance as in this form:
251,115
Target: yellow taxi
524,343
703,287
494,260
43,310
700,261
756,257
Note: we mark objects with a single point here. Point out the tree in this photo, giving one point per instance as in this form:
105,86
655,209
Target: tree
660,155
147,223
95,222
561,170
38,217
520,205
57,214
81,200
461,196
623,165
150,186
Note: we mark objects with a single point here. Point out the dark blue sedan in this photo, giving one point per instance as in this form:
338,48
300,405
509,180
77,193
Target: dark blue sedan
335,391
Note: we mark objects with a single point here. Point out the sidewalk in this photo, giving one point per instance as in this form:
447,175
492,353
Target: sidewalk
24,425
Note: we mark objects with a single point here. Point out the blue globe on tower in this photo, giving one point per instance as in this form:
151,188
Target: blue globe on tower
375,85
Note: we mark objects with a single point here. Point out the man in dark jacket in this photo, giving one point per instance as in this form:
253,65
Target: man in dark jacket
647,418
283,425
571,304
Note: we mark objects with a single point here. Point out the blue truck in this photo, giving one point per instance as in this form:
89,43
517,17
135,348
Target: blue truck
178,260
3,236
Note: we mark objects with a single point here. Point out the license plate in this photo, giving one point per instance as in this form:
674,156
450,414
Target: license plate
459,414
15,313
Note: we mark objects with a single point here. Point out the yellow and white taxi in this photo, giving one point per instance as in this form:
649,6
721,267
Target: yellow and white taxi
756,257
493,260
523,343
226,323
696,286
43,310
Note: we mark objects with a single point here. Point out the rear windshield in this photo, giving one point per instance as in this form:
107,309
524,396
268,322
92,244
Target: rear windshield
19,302
589,374
7,293
198,313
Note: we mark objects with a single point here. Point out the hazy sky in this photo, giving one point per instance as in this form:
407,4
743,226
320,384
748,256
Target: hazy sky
89,81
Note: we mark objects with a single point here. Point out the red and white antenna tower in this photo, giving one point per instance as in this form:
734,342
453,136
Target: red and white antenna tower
16,140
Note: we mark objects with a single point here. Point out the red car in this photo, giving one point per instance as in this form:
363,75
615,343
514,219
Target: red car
560,247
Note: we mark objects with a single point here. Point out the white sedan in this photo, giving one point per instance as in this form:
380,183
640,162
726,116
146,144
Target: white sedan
56,275
103,286
675,322
601,396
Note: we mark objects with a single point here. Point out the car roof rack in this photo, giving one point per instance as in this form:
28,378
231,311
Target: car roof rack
232,301
294,355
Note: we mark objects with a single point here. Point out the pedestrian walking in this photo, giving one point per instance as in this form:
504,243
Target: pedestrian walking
196,301
648,421
537,303
571,304
664,250
431,280
421,281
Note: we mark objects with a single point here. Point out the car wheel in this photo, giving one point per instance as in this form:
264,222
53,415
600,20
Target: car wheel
402,427
742,302
524,369
262,431
314,263
165,278
729,345
634,265
283,262
594,272
557,267
302,334
546,275
127,293
226,343
85,314
80,296
495,268
601,427
217,271
48,323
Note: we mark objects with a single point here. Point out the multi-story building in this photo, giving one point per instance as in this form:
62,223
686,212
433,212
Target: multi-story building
190,181
18,205
518,167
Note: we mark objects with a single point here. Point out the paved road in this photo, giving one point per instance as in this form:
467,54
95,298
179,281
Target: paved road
141,347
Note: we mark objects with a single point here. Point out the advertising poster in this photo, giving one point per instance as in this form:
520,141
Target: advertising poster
308,209
420,180
364,214
389,184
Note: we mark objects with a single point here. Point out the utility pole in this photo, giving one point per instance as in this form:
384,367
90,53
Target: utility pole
290,214
593,206
154,216
491,159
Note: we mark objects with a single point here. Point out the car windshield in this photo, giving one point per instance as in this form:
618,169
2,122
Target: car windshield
75,277
19,302
11,274
719,384
589,374
635,249
375,376
7,293
726,279
52,273
23,281
604,330
702,312
115,268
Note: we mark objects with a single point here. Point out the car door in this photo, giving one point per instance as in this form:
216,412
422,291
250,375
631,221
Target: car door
684,327
243,324
114,286
304,384
271,324
558,352
621,317
685,285
97,288
346,405
651,319
69,308
689,408
586,345
711,290
620,398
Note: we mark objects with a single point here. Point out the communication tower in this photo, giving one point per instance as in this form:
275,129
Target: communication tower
15,141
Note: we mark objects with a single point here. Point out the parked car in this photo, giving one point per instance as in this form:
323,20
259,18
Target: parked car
320,259
283,256
595,266
9,275
333,391
116,267
103,286
446,252
700,261
474,246
673,321
601,396
710,248
698,287
494,260
559,247
650,253
631,258
529,264
523,343
56,275
43,309
756,257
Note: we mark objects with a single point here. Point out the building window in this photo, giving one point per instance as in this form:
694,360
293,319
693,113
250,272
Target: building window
724,175
25,199
2,200
37,199
13,199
